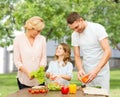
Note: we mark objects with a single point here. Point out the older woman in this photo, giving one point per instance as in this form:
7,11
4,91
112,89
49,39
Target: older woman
30,52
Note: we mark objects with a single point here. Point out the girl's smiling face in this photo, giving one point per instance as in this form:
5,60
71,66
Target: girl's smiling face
60,51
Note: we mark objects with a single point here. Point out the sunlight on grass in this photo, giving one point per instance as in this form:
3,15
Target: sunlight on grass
115,92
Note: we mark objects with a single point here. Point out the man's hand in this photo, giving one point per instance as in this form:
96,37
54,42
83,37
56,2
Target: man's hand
81,73
91,76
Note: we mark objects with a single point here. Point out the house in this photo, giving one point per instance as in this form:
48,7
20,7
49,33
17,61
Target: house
115,59
6,58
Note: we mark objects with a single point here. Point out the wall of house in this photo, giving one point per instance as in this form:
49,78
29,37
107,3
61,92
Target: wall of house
7,66
1,60
114,63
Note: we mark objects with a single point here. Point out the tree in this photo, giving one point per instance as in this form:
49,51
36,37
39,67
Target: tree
107,15
54,13
7,22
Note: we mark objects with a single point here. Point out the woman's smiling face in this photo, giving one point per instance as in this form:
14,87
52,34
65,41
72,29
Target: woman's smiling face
33,33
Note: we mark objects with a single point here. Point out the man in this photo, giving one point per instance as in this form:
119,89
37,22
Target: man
91,39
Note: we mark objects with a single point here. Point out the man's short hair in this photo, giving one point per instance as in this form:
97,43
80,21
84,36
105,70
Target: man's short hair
73,17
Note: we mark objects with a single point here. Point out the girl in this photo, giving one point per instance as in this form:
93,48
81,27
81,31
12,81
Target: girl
60,70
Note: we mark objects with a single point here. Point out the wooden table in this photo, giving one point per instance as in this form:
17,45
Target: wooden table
25,93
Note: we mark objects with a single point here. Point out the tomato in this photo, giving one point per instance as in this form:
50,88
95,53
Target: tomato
40,91
43,91
64,90
32,91
29,90
36,91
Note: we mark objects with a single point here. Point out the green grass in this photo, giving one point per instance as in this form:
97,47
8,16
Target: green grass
115,83
8,83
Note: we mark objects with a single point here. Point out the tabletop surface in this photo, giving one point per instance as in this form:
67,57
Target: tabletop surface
25,93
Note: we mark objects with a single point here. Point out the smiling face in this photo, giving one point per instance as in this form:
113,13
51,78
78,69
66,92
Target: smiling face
78,25
59,51
63,52
34,26
76,22
33,33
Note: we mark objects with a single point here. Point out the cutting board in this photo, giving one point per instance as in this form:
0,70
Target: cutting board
95,91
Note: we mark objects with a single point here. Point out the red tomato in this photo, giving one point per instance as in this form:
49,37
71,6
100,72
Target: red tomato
64,90
36,91
43,91
40,91
29,90
32,91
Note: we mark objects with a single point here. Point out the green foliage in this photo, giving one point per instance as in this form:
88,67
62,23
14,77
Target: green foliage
54,13
6,23
54,87
39,74
107,14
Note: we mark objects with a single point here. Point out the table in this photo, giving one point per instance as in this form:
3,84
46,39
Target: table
25,93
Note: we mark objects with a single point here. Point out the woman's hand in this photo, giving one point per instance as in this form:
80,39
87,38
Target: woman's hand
23,69
30,77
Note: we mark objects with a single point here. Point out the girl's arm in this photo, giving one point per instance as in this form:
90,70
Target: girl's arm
66,77
69,71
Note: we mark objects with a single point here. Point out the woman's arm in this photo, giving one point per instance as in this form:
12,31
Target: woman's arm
17,58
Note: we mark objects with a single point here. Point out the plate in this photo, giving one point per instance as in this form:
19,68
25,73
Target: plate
38,87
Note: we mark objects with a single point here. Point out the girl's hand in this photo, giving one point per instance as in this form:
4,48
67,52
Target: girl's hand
58,76
52,76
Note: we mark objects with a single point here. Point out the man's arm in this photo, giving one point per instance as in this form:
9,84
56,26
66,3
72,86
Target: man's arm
107,53
78,61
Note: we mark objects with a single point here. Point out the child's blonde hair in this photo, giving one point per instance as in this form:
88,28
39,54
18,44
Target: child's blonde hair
67,51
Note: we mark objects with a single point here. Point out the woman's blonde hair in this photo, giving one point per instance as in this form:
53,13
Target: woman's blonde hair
67,51
35,22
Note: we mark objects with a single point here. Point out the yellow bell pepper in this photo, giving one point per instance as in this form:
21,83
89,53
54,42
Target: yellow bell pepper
72,88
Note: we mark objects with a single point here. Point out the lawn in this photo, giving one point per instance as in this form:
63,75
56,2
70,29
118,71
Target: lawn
8,83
